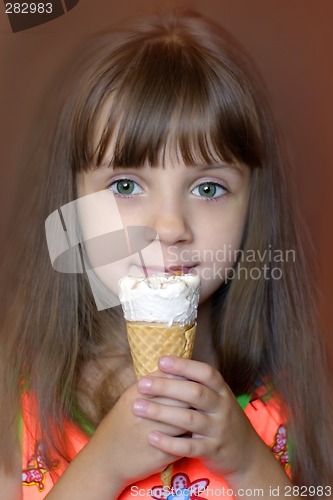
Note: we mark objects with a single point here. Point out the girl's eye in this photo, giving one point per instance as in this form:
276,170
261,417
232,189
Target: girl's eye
209,190
125,187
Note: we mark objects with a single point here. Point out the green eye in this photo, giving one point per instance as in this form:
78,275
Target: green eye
125,187
209,190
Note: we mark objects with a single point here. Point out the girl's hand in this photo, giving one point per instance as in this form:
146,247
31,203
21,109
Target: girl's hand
217,429
219,432
118,453
121,442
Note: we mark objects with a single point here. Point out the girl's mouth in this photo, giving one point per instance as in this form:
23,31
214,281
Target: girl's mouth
174,269
181,269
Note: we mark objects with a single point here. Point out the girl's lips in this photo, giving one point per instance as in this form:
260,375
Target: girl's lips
178,268
181,268
150,270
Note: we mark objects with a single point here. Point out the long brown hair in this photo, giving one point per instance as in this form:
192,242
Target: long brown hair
171,82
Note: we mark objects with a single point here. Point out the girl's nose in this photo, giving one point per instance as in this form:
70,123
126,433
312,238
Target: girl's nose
171,224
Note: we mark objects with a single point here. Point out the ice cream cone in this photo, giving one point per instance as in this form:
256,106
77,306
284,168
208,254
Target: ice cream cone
160,317
149,341
166,476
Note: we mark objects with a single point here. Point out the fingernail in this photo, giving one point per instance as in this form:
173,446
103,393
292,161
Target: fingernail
140,406
166,362
145,383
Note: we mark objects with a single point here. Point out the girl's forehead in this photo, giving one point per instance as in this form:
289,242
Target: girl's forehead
175,149
131,128
142,102
169,155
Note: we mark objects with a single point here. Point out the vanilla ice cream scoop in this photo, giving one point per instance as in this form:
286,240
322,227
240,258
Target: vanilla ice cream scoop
164,298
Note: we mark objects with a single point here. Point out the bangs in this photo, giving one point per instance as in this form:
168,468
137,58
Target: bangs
163,95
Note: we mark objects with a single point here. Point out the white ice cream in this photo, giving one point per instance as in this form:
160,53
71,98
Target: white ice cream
160,299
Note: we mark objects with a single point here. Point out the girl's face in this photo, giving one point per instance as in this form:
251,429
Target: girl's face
198,213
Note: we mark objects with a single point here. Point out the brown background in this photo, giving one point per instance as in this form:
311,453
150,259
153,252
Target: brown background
292,44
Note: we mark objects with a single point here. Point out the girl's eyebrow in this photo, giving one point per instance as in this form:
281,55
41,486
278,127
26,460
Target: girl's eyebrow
202,166
236,168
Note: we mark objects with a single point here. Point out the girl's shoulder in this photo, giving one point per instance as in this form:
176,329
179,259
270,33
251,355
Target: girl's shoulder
39,475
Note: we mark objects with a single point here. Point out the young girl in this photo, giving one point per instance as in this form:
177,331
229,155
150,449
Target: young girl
164,130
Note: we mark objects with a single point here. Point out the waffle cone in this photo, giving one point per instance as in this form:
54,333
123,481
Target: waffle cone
149,341
166,476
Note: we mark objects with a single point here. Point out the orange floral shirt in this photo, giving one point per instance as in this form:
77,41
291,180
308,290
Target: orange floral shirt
191,479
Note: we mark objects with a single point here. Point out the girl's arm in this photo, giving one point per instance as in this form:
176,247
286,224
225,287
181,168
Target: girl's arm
10,483
222,436
77,482
10,486
116,455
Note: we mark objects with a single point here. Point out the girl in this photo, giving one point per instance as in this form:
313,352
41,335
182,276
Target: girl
165,130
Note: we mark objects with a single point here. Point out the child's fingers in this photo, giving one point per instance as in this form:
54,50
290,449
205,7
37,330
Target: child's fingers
179,446
194,394
186,419
193,370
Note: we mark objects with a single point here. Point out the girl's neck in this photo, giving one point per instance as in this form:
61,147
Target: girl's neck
203,346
